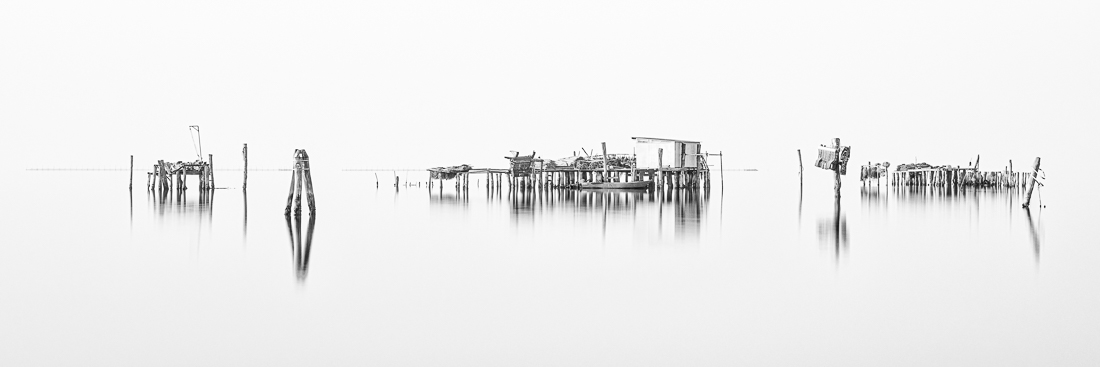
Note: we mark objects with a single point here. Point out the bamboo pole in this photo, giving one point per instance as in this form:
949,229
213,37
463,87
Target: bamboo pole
1031,183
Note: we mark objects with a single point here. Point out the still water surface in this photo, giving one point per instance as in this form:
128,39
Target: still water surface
759,271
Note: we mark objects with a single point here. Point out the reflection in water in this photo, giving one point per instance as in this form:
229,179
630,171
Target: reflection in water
300,253
1034,233
200,209
965,203
832,232
179,203
643,212
244,193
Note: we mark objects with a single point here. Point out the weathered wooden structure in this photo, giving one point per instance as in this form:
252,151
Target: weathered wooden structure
923,174
874,172
167,175
686,168
299,177
667,153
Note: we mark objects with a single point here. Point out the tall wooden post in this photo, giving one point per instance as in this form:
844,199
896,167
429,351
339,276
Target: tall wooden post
1031,183
290,195
1011,175
309,183
660,166
722,167
836,169
800,162
244,186
131,172
603,146
211,172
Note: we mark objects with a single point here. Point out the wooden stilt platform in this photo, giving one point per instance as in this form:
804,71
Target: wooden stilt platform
166,175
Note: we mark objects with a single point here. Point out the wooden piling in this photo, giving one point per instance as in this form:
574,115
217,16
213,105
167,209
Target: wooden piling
1031,183
244,185
309,183
800,162
722,166
211,183
131,172
836,170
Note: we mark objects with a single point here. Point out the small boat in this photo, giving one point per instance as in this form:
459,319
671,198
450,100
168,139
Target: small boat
635,185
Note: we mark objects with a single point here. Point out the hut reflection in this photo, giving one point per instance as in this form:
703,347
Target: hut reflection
646,215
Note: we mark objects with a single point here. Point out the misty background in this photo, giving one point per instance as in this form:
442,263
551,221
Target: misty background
415,84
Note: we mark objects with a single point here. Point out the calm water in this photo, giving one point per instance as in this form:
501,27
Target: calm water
760,272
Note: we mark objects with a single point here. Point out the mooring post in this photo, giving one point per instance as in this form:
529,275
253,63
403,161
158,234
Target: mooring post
309,183
244,151
290,194
1031,183
131,172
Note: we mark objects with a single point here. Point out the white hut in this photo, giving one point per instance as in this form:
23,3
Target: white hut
673,153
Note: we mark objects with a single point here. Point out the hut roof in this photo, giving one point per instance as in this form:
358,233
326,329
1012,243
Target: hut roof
663,139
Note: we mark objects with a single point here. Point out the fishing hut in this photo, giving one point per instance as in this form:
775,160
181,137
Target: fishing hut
653,163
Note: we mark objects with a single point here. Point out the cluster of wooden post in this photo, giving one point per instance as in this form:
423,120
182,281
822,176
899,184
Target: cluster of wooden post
299,177
962,177
164,176
561,178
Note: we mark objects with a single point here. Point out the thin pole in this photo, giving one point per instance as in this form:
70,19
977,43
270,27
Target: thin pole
800,162
722,168
131,172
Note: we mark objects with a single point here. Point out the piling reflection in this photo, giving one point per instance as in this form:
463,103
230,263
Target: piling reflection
832,232
244,193
299,251
200,204
1034,234
970,208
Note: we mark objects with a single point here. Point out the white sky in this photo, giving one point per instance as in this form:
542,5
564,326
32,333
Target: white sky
420,83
